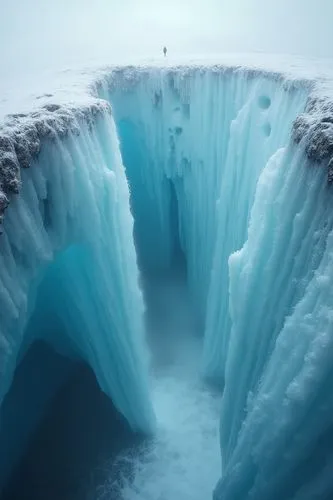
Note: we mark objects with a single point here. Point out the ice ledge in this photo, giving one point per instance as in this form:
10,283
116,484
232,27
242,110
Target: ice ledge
314,126
21,136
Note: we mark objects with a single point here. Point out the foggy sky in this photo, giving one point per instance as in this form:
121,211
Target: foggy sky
41,32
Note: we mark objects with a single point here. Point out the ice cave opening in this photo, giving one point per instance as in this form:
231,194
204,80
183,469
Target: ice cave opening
74,428
57,426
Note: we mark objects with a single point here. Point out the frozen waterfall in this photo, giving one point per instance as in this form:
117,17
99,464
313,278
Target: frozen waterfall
227,174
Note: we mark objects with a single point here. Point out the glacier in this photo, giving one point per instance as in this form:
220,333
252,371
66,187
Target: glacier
227,167
161,121
68,264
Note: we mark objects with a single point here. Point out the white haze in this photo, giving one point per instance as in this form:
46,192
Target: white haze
39,33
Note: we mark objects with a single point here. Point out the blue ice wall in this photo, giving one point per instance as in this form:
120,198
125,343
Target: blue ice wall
68,271
276,426
255,212
209,133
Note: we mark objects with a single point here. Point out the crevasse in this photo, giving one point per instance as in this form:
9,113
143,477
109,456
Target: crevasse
216,170
206,135
255,225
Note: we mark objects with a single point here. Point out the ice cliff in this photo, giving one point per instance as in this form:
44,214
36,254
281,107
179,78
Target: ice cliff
250,173
68,268
232,167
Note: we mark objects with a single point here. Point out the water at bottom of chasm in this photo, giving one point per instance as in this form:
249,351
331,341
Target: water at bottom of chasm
84,450
182,461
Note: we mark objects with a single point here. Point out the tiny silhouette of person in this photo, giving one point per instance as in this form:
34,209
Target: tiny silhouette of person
165,51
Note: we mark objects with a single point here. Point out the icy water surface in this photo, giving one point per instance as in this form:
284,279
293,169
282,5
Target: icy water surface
182,462
84,450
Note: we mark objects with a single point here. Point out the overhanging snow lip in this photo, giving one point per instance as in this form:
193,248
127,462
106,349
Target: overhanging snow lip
21,134
130,74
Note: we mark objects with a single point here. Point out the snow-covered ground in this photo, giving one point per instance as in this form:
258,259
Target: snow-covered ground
21,93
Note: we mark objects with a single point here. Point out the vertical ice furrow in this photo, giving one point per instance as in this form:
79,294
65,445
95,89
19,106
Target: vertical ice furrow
189,125
266,247
185,158
42,246
230,198
8,271
38,177
304,253
232,229
256,227
57,157
296,438
201,275
110,225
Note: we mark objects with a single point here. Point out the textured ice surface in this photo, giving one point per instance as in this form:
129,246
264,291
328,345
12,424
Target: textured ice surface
276,427
201,136
254,207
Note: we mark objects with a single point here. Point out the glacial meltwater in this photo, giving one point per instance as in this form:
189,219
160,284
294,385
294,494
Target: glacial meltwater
84,450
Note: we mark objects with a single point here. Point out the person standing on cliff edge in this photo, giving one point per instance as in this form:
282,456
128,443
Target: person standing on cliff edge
165,51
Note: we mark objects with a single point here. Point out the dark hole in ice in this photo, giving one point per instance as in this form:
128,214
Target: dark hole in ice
77,437
158,99
264,102
45,207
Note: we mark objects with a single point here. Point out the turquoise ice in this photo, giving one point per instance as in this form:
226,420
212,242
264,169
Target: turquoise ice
195,162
